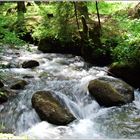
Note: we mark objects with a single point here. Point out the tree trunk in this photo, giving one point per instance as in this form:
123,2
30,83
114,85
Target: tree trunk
21,6
76,15
98,15
82,8
85,29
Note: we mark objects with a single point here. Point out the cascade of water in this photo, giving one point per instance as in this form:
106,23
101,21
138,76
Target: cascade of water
68,77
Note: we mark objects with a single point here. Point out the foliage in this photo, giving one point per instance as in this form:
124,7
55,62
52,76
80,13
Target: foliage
128,51
120,33
64,15
107,8
7,35
128,48
60,26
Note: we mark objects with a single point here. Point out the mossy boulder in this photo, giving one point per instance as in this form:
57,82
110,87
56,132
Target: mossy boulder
19,84
108,91
50,109
30,64
1,84
128,72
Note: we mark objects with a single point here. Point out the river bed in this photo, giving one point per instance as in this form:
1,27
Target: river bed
68,76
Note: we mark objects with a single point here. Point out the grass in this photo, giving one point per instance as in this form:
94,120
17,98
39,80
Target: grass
108,8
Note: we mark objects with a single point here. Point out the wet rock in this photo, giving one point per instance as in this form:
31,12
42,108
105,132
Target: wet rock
8,92
20,84
28,76
30,64
50,109
96,55
127,72
1,84
109,91
3,97
51,45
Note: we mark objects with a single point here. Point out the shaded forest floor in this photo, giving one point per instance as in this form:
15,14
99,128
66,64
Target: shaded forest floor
119,39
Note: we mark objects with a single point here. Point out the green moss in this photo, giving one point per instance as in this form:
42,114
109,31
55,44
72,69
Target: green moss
106,88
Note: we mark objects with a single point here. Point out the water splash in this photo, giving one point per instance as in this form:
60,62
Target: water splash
68,76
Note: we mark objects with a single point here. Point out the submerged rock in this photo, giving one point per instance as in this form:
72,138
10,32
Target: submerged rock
109,91
20,84
1,84
30,64
8,92
49,108
3,97
28,76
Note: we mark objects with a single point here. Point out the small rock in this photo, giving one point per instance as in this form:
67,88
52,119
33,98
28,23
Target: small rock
109,91
30,64
49,108
28,76
8,92
1,84
3,97
20,84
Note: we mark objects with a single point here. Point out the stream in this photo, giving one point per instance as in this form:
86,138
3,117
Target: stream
68,76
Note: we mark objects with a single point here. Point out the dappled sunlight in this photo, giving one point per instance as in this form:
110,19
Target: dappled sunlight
69,70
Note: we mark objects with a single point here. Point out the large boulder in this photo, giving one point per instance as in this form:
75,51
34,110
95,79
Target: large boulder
1,84
96,54
49,108
127,72
109,91
51,45
30,64
19,84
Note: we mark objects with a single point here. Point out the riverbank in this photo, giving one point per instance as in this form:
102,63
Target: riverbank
42,25
12,137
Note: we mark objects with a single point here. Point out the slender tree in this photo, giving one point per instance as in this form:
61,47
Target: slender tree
98,15
82,9
76,15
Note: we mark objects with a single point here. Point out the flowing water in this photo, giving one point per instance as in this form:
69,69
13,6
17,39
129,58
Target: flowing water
68,76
